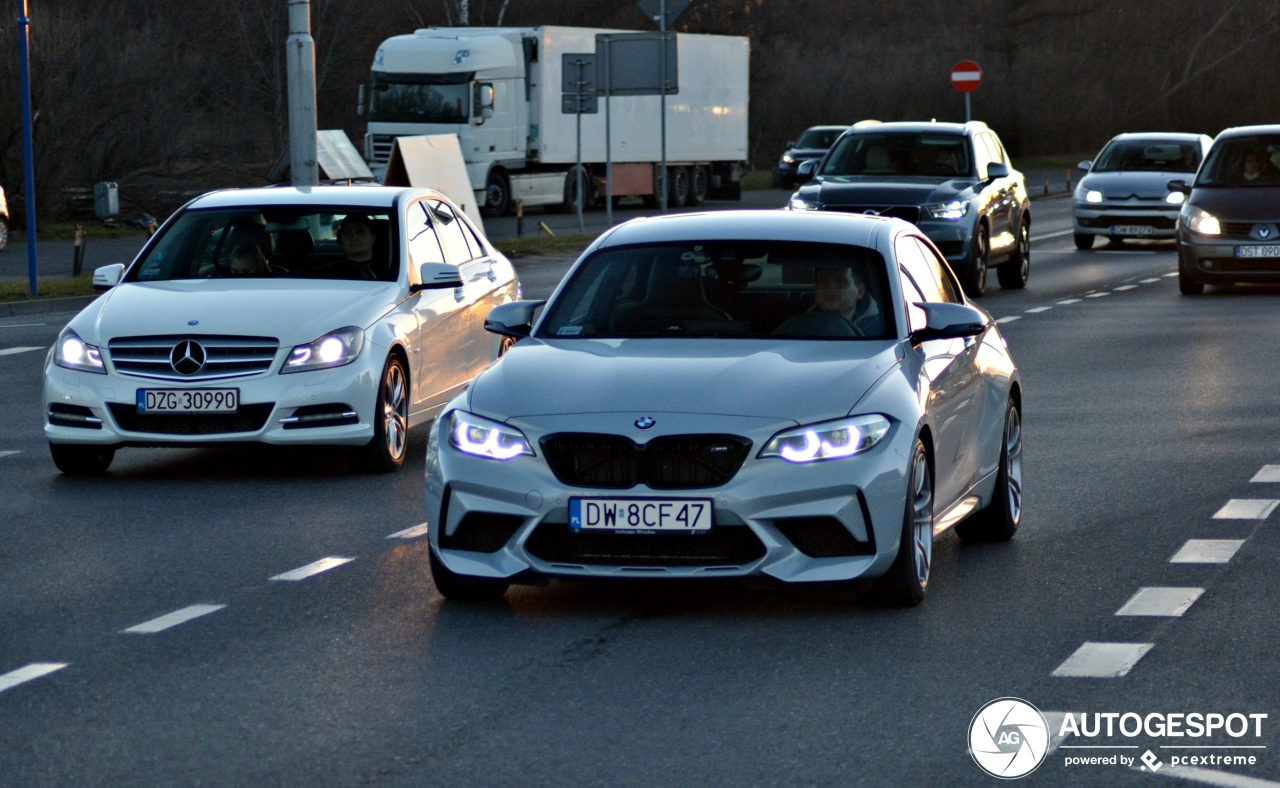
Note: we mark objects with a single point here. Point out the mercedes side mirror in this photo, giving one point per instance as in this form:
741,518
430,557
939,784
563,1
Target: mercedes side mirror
108,276
437,276
950,321
512,320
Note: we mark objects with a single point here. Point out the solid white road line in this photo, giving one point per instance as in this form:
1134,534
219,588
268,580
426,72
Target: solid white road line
10,351
410,533
33,671
1102,660
1149,281
315,568
1269,473
1160,601
23,325
1246,509
1206,551
173,619
1035,310
1047,236
1066,301
1212,777
1124,287
1009,319
8,453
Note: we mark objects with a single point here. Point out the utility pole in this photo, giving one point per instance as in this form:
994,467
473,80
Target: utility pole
662,29
301,63
28,148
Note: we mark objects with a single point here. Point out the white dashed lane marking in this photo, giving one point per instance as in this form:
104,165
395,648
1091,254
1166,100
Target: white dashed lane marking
1269,473
1047,236
410,533
1158,601
1066,301
1097,295
1149,281
11,351
1246,509
1035,310
33,671
173,619
1123,287
8,453
1175,273
22,325
1009,319
1197,774
1102,660
1206,551
314,568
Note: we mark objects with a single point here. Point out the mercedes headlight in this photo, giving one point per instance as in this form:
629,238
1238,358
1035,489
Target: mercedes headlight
829,440
73,353
1201,221
950,211
799,203
481,437
334,349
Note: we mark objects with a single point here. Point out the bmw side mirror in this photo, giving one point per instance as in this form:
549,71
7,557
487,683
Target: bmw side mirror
1179,185
997,170
437,276
806,169
108,276
950,321
512,320
1085,166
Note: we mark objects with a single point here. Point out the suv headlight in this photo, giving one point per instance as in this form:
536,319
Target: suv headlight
950,211
1201,221
334,349
481,437
73,353
829,440
787,158
799,203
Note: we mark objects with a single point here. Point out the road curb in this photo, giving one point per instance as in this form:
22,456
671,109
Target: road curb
41,306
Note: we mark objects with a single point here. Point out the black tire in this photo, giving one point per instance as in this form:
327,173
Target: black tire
678,197
497,195
1014,272
4,234
907,581
462,588
571,190
974,279
79,460
1187,284
698,181
1084,241
385,452
998,521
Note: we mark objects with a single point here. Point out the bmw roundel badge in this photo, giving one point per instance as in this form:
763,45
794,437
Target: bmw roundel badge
644,423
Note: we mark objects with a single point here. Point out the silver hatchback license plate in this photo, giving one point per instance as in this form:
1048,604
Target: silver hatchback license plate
635,515
1270,250
1133,229
188,400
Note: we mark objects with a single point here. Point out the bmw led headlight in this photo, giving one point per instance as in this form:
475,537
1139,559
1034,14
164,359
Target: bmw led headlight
481,437
73,353
829,440
1201,221
950,211
334,349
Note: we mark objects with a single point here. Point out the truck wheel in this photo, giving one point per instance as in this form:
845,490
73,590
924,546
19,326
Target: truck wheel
571,189
678,197
697,185
497,195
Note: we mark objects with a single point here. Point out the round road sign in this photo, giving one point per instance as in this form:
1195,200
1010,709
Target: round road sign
965,76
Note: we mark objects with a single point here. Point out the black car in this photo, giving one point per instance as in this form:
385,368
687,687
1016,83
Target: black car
1229,228
952,180
812,144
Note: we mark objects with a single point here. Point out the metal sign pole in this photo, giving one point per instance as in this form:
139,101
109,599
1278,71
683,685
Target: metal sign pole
27,146
968,116
579,197
662,27
608,143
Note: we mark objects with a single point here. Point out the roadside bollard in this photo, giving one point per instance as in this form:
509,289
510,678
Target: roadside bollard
519,218
1068,174
1046,185
77,254
151,227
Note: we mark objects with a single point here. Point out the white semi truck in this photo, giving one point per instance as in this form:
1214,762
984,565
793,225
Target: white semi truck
500,90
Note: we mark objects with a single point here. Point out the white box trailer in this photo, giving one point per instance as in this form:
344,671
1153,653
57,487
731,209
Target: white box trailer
501,91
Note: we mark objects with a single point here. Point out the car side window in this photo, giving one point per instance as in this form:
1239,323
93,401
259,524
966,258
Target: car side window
911,295
469,235
424,247
456,249
992,145
981,155
941,272
911,259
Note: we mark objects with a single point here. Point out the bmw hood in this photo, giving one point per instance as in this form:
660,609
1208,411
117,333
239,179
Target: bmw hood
870,190
294,311
1125,185
776,379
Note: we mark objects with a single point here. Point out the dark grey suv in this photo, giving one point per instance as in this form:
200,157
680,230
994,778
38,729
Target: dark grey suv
952,180
1229,228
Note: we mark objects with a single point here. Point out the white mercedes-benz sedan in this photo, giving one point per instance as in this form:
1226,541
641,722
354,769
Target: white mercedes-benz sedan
341,315
805,396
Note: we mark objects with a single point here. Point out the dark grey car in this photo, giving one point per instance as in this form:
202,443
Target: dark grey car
1229,228
952,180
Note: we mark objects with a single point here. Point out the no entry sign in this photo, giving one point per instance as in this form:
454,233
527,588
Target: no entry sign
966,76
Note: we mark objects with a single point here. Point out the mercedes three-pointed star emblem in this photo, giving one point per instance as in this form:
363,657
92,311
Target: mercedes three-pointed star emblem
187,357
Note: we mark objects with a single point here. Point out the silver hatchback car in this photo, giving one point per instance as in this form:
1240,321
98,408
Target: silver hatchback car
804,396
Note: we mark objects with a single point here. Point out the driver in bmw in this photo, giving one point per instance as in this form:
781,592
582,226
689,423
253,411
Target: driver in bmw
842,290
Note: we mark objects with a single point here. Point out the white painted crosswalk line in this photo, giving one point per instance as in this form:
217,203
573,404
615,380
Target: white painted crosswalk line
10,351
314,568
1206,551
1009,319
1268,473
410,533
173,619
1160,601
1066,301
33,671
1035,310
1102,660
1246,509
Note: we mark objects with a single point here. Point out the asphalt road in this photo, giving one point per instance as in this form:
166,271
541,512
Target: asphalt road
1145,414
